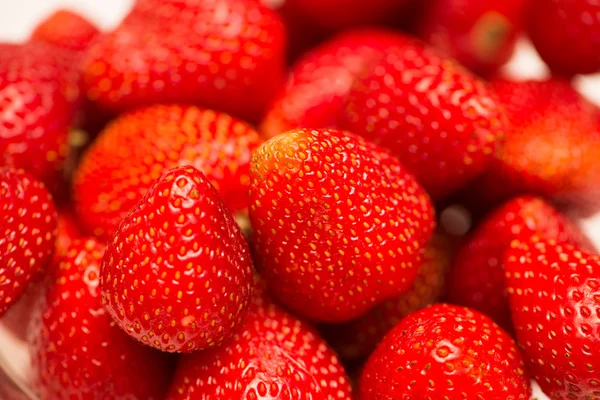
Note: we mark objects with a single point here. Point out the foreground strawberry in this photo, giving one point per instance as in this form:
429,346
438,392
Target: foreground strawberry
442,122
273,355
177,273
338,222
67,30
139,146
554,293
78,352
445,352
224,54
28,233
477,274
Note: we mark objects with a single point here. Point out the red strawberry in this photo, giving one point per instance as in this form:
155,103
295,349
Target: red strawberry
67,232
78,352
66,29
440,121
554,294
28,233
479,34
358,338
138,147
445,352
224,54
273,355
338,223
565,34
177,274
477,272
319,82
552,145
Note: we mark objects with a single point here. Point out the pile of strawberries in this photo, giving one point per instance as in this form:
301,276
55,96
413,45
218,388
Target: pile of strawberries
240,199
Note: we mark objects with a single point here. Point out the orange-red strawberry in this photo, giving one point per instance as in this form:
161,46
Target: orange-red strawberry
134,150
273,355
554,294
357,339
27,233
338,222
67,232
177,274
223,54
443,123
445,352
67,30
77,350
477,273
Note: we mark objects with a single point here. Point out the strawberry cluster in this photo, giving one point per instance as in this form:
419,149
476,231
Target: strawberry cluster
242,199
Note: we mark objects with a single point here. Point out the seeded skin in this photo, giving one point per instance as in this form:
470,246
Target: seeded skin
445,352
67,30
338,223
177,273
138,147
554,294
27,233
77,350
273,355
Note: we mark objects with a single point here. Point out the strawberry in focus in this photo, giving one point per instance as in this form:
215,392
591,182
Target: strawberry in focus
67,30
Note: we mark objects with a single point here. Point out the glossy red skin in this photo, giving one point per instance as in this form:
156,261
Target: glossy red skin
445,352
273,355
552,146
66,29
554,293
442,122
565,34
28,233
477,273
160,54
338,223
139,146
356,339
67,232
481,34
318,83
78,352
177,274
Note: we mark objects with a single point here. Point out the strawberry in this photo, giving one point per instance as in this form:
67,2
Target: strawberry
481,34
357,338
477,272
554,294
67,232
223,54
439,120
139,146
77,350
177,274
445,352
338,223
565,34
28,233
273,355
66,29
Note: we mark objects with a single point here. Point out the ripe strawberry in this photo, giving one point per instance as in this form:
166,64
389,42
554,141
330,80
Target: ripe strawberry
445,352
477,272
319,82
338,223
357,339
565,34
78,352
177,274
28,233
479,34
67,232
554,294
273,355
223,54
66,29
440,121
138,147
552,145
